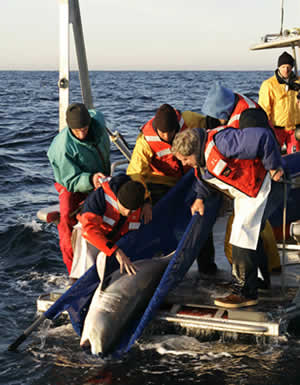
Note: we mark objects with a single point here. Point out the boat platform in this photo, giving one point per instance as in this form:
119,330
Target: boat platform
191,304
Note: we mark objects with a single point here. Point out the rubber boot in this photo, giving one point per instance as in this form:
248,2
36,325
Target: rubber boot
244,272
206,257
262,262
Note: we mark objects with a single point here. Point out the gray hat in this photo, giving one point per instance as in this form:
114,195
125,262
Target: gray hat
77,116
219,102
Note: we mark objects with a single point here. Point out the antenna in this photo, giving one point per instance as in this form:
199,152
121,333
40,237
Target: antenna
281,18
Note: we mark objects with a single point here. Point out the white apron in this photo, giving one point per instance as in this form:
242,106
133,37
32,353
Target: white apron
84,253
248,213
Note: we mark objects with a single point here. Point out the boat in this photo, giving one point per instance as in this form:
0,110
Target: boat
286,38
190,303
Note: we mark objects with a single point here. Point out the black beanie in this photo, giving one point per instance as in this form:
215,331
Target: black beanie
285,58
253,117
165,119
131,195
77,116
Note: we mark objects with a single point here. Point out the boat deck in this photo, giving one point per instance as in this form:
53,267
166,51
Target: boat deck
191,304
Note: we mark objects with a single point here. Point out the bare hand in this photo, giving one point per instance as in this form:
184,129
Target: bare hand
96,178
276,174
198,206
125,262
146,213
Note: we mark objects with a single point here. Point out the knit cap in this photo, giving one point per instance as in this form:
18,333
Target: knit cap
77,116
131,195
165,119
219,102
253,117
285,58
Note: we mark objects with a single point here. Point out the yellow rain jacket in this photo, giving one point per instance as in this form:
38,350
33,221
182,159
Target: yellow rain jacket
139,168
279,104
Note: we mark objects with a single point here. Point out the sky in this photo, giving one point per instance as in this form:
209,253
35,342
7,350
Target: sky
147,34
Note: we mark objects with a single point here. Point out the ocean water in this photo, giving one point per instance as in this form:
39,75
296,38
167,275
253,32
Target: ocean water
30,258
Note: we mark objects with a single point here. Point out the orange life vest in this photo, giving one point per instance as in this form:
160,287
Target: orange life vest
163,161
243,103
246,175
112,215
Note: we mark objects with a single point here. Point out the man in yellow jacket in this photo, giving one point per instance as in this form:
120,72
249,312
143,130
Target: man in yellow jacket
153,164
278,97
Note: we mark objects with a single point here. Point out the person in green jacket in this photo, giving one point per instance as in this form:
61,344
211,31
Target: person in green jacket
79,155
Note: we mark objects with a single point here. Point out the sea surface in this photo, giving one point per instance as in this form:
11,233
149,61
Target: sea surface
30,260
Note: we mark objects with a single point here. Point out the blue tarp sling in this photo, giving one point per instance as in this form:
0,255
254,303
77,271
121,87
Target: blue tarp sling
172,228
189,247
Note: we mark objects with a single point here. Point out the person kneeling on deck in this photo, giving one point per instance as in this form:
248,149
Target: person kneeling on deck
108,213
153,163
79,155
245,163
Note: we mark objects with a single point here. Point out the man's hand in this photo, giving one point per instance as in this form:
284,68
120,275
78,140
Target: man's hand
276,174
198,206
96,178
146,213
125,262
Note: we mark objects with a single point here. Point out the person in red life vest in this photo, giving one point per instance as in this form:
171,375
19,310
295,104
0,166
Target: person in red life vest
278,97
224,104
227,106
79,155
108,213
245,164
153,163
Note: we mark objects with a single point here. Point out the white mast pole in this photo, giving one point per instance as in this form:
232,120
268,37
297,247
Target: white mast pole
63,82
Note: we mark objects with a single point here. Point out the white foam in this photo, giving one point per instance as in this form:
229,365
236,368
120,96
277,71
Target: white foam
34,225
183,345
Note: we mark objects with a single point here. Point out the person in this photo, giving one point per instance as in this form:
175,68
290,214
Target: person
225,105
153,163
108,213
79,155
244,163
278,97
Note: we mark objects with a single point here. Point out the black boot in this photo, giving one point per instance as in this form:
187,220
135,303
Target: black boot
244,272
262,258
206,257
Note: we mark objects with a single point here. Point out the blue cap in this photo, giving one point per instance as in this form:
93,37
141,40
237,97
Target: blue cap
219,102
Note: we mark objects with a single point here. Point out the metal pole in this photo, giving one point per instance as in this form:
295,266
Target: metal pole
281,18
63,82
26,333
75,19
283,289
295,57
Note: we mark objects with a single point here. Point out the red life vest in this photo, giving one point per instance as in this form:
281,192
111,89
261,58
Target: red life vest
112,215
163,161
243,103
246,175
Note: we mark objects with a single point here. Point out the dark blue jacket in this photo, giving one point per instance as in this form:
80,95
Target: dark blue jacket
246,143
